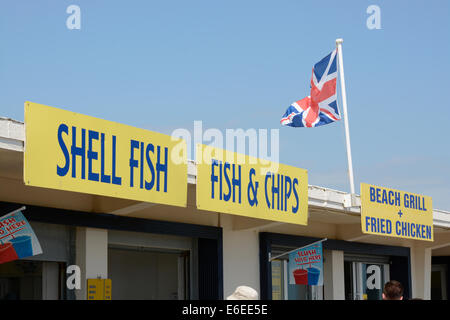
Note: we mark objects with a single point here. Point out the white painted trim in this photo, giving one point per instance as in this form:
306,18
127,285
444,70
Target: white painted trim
11,144
386,271
12,135
441,218
285,279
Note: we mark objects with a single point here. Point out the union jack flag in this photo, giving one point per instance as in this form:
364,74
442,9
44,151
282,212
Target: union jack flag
320,106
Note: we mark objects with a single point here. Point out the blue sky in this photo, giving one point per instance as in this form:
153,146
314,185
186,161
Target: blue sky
160,65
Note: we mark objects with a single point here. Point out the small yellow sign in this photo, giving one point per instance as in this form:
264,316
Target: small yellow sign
74,152
238,184
95,289
99,289
394,213
107,289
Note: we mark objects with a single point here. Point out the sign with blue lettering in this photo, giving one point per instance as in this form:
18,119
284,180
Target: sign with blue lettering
238,184
395,213
73,152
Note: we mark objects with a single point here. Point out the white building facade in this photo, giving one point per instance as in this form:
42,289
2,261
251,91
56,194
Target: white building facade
155,251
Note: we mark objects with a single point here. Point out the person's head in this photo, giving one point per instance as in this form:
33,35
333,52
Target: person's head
243,293
393,290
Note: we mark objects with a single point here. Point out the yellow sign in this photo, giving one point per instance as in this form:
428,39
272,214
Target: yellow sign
74,152
99,289
107,289
238,184
395,213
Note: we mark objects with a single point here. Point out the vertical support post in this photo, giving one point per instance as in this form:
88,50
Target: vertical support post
344,105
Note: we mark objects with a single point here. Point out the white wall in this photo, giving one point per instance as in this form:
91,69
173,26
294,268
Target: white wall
240,257
333,277
421,272
91,256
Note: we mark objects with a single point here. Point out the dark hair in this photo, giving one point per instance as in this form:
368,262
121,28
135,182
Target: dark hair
393,290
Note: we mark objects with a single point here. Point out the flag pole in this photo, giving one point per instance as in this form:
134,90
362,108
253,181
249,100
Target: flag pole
344,105
308,245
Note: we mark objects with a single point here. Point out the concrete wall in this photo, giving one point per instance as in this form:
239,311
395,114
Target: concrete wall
333,275
91,256
240,257
421,272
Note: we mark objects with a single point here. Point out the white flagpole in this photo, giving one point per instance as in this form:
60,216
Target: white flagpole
344,104
17,210
283,254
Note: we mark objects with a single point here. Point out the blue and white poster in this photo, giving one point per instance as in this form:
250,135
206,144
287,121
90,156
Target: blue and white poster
306,265
17,238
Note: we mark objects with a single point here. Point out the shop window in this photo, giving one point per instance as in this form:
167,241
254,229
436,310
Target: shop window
364,274
283,290
439,282
148,273
364,280
30,280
